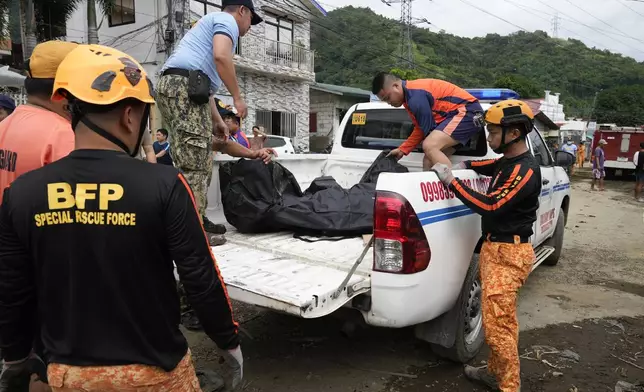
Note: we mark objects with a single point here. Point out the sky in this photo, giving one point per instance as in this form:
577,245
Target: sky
616,25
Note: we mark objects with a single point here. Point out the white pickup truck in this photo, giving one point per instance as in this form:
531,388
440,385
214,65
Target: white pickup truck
426,278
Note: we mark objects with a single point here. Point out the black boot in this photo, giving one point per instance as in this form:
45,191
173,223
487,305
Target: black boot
212,227
481,376
209,380
190,320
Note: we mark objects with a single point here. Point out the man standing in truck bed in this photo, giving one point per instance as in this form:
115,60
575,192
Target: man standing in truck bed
433,105
190,78
508,211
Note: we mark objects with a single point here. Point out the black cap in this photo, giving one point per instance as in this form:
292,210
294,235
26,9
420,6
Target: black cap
224,110
248,4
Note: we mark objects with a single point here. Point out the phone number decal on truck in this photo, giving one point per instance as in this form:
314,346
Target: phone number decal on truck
435,190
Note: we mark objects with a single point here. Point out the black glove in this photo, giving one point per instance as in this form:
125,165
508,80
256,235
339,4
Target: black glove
16,376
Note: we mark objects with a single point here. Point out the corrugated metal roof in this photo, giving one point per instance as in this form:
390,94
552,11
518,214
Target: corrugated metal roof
341,90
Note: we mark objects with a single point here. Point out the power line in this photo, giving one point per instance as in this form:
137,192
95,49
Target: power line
590,27
537,14
612,27
355,40
630,8
493,15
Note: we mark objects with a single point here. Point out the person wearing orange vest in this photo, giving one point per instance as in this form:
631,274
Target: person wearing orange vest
433,105
38,132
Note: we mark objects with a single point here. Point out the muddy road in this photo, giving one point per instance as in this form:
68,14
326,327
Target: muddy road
582,323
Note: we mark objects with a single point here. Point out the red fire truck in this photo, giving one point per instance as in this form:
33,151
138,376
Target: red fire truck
623,142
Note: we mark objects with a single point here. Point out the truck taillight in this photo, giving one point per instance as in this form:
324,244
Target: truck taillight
400,245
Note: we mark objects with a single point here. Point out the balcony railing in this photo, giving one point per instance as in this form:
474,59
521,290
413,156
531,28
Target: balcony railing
269,51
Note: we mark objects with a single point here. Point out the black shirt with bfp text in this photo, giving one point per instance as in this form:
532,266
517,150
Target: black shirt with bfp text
87,245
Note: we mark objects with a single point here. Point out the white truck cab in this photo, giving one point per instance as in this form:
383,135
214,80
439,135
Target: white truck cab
423,267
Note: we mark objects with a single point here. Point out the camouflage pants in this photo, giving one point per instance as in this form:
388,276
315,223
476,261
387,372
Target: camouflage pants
128,378
190,129
504,268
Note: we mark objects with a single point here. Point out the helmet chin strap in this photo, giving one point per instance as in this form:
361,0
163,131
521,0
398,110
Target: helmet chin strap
504,146
100,131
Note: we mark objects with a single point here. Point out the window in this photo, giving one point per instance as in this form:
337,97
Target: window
122,13
389,128
274,142
200,8
278,123
626,141
280,31
313,122
539,149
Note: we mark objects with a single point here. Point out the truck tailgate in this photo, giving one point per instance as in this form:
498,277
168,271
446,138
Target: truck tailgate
286,274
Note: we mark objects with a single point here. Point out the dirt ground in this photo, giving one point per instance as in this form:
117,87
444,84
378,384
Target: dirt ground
590,304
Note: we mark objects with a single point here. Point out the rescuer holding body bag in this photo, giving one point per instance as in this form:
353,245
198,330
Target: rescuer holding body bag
87,245
508,211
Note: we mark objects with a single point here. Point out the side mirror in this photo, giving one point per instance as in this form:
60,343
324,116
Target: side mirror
564,159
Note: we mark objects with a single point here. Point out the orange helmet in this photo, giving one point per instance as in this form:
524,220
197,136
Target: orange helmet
101,75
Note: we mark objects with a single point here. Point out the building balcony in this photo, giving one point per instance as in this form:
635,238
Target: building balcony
268,56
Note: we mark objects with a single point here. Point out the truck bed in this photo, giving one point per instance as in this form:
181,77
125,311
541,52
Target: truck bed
289,275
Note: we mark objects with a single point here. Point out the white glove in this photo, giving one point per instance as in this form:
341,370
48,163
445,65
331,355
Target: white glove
459,166
444,173
235,360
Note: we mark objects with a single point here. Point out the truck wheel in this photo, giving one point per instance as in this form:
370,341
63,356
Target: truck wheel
556,241
469,333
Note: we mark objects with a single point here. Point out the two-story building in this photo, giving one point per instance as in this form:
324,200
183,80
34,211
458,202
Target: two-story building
274,62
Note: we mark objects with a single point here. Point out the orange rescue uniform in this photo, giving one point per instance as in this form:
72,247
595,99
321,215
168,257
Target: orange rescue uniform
30,138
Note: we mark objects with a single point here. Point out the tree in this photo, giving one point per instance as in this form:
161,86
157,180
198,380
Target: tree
92,28
406,74
521,85
527,62
30,27
623,105
45,20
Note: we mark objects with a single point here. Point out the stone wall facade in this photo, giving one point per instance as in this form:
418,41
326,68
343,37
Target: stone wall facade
272,93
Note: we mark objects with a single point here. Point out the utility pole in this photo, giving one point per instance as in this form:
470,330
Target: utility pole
406,22
178,19
555,25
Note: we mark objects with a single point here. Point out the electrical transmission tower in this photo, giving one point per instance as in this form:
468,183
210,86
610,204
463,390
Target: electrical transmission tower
406,22
555,25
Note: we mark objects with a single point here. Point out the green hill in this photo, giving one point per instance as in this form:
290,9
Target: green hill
352,44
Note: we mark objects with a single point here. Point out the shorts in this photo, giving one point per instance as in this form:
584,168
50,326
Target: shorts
460,126
599,173
639,177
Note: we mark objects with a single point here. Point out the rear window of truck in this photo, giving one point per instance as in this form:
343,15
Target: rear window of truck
383,129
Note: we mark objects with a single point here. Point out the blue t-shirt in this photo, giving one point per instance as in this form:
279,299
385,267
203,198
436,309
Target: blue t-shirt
167,158
599,153
570,148
195,51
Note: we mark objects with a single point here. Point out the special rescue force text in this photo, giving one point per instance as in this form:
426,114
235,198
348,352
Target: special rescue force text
61,201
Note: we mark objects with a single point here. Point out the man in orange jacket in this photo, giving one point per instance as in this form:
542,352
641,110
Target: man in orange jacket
433,105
